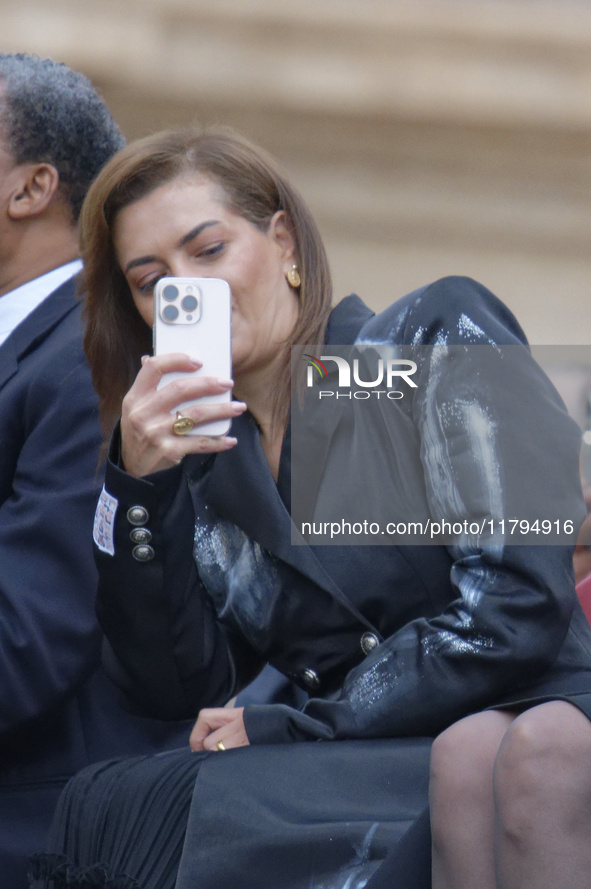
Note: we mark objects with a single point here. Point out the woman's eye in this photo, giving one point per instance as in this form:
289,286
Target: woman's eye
148,287
212,250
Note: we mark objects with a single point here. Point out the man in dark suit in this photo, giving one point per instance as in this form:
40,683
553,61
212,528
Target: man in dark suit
58,711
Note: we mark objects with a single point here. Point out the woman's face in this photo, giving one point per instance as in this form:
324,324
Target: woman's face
183,229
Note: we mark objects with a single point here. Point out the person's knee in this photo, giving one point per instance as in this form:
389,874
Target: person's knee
450,771
444,783
543,770
462,760
463,756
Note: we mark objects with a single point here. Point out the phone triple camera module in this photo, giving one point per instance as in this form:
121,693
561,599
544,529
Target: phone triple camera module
180,303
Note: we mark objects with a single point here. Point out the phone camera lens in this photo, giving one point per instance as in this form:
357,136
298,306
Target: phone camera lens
189,303
170,292
170,313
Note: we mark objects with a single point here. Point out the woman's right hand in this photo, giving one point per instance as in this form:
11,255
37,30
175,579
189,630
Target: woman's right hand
148,442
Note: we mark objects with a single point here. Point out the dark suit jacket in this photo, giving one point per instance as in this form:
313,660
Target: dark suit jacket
58,710
459,628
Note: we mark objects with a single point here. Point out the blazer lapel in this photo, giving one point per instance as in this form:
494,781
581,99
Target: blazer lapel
8,361
346,320
315,422
241,487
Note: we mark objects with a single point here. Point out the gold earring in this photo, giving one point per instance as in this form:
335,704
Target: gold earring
293,277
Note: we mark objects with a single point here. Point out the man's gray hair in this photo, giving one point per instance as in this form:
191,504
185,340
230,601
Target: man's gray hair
51,114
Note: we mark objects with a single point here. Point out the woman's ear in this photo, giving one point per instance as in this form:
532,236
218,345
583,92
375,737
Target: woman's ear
34,190
281,230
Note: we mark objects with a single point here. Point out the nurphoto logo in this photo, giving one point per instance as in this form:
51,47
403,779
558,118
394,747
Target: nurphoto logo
387,372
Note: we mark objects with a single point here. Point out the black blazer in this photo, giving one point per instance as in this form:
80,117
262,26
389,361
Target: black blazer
58,710
389,641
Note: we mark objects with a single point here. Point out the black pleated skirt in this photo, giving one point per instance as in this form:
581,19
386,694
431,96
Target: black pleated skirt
297,816
120,824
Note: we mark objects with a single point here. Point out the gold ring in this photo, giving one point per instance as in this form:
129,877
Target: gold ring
220,745
182,425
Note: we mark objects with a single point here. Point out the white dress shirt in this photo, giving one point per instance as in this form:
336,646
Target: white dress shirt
17,304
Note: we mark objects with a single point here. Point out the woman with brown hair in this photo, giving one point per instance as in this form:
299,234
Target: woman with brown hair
480,646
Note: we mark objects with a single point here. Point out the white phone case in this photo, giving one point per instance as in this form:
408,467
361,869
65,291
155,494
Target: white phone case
193,315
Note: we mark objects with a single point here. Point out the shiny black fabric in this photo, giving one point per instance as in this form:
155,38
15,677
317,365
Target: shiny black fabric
460,628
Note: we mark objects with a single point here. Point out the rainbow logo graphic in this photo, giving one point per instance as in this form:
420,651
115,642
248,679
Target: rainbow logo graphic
317,363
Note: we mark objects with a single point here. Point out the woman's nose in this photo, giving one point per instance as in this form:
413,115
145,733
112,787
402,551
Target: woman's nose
182,268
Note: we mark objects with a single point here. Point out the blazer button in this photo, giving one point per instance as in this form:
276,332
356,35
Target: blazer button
311,678
143,553
369,641
137,515
140,535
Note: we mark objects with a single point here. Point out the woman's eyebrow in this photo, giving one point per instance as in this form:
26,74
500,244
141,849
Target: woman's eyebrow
143,260
197,231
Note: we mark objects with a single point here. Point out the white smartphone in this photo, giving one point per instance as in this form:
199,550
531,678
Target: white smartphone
193,315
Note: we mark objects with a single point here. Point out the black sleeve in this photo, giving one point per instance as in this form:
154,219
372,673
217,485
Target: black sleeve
166,648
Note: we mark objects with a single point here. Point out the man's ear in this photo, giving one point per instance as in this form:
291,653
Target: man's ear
35,188
281,230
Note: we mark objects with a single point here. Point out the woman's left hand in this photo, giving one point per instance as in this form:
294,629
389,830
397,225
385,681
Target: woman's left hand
223,725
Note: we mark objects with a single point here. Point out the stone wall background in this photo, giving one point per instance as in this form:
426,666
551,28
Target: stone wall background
430,137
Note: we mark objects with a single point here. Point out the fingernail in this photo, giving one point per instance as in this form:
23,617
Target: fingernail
238,406
227,383
230,442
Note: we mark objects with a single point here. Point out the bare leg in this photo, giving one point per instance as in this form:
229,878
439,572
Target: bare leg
461,801
542,785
